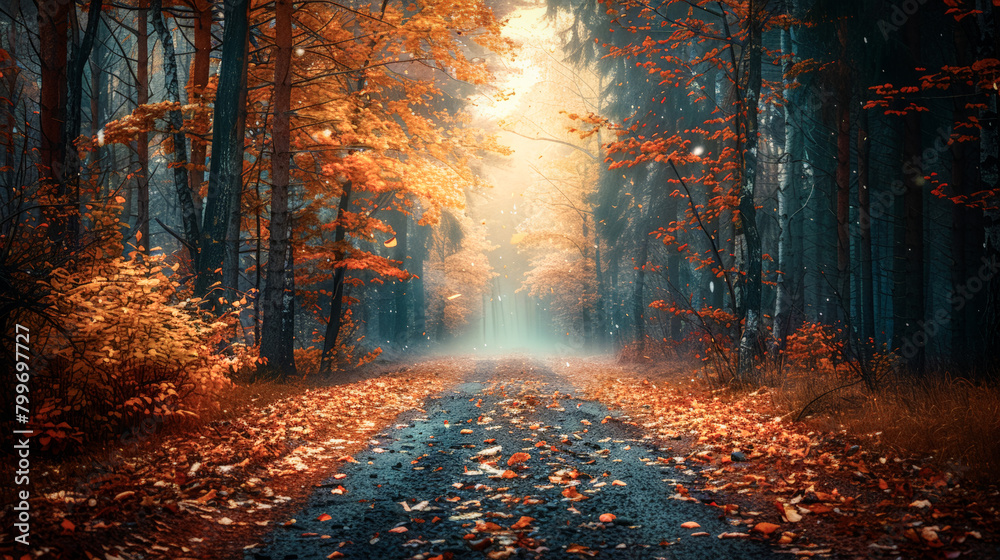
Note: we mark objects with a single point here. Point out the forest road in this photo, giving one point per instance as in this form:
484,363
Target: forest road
437,484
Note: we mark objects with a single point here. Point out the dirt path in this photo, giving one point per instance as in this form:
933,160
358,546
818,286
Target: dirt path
508,464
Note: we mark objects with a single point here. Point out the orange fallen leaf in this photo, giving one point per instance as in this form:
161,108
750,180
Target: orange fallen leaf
508,474
580,549
607,517
398,530
324,517
618,483
487,527
788,512
522,523
690,525
573,494
336,554
67,525
206,496
766,528
518,457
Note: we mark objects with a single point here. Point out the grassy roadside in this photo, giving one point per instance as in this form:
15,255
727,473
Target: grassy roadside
828,483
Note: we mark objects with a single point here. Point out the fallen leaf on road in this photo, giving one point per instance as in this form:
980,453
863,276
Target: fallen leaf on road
518,457
766,528
690,525
324,517
618,483
580,549
398,530
788,512
522,523
607,517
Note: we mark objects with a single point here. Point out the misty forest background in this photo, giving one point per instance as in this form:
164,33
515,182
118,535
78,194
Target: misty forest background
197,191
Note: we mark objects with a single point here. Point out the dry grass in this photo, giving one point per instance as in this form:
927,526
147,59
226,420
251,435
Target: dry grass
954,420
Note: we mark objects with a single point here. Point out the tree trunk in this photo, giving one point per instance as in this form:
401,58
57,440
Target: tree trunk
782,303
337,298
74,118
843,178
638,315
273,298
142,139
865,229
419,291
914,341
200,67
53,24
748,248
176,122
225,182
989,163
402,287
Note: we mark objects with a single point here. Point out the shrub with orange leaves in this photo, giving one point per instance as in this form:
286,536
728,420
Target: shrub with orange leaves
816,349
120,349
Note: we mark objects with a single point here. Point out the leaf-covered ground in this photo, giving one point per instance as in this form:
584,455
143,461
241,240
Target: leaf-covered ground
830,493
512,458
209,493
